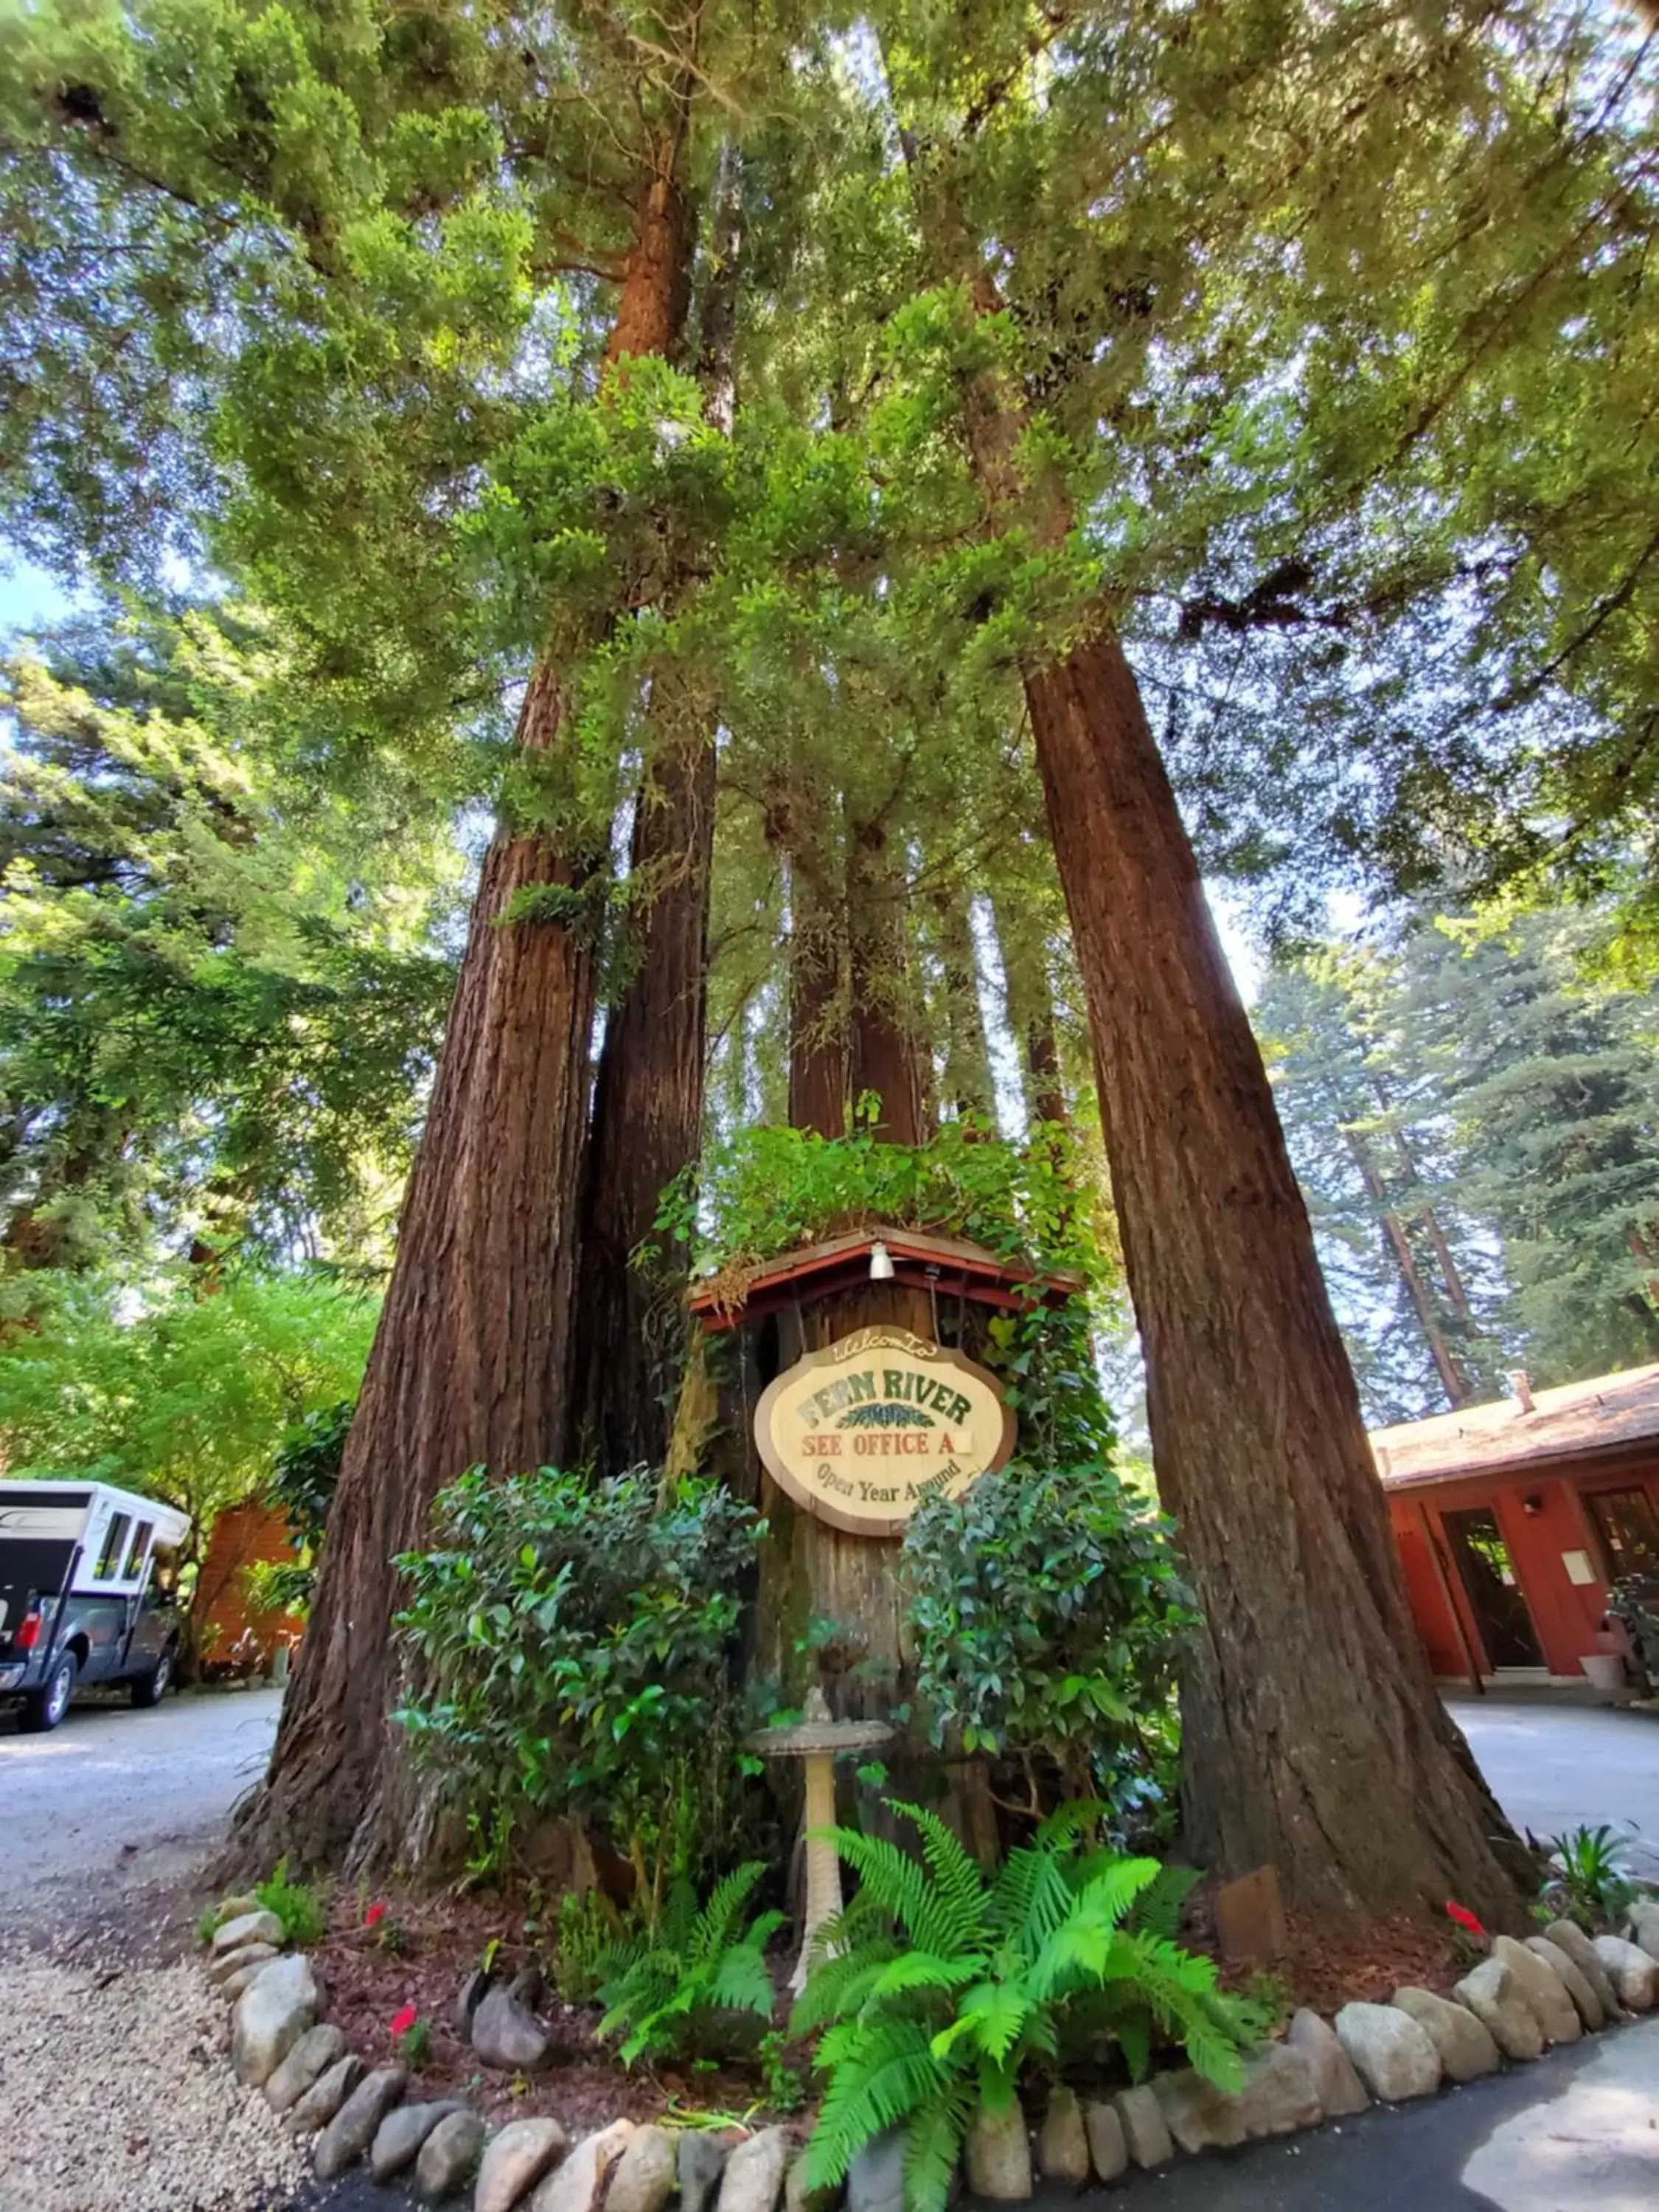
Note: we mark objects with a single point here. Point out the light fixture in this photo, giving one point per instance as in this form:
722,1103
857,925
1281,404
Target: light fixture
881,1264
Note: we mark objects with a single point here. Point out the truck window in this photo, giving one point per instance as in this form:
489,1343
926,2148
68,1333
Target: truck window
115,1538
137,1549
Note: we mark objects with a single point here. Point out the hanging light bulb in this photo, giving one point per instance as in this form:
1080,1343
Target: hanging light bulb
881,1264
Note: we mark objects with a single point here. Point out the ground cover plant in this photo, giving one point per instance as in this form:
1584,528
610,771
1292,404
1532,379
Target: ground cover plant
942,1985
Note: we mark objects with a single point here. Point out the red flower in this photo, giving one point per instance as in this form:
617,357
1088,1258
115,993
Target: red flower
375,1916
404,2020
1464,1918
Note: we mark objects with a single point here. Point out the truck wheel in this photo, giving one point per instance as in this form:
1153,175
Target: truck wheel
45,1707
150,1689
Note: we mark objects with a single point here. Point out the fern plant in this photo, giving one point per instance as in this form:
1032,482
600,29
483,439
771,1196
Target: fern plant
682,1980
939,1983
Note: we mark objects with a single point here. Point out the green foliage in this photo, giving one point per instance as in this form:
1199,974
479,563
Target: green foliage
414,2045
209,1922
284,1586
302,1906
940,1984
220,982
767,1189
571,1645
588,1931
178,1394
1471,1116
680,1985
1048,1619
785,2085
307,1471
1589,1879
303,1478
1633,1601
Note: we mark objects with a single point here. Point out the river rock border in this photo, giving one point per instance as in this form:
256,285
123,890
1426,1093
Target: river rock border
1519,1999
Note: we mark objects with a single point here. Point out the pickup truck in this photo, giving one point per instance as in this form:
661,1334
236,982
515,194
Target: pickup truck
88,1594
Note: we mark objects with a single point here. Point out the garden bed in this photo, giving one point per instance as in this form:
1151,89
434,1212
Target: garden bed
371,1976
422,1950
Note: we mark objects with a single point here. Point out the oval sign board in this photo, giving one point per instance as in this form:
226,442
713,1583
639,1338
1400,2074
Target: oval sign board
860,1433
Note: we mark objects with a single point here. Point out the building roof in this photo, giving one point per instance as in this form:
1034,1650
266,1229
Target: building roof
1575,1421
920,1258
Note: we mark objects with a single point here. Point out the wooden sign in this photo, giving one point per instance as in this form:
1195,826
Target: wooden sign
860,1433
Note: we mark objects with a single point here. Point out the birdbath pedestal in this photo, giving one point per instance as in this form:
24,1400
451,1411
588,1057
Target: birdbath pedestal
817,1742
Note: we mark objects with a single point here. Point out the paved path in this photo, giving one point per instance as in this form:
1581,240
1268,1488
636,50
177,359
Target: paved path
1559,1766
1574,2133
115,1796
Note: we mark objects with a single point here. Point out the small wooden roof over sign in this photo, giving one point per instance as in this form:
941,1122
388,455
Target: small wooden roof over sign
921,1259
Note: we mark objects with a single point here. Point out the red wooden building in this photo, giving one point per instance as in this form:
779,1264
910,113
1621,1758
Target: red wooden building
241,1535
1512,1518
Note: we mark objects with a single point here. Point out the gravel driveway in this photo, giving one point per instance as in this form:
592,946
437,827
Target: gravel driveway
113,2083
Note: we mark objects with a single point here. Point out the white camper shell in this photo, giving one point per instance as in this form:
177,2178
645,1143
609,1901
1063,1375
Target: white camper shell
87,1594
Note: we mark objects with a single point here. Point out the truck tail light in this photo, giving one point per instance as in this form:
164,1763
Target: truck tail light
28,1630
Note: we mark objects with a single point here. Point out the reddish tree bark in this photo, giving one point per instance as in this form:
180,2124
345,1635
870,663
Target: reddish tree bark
884,1052
471,1361
468,1363
1312,1735
647,1125
648,1105
798,828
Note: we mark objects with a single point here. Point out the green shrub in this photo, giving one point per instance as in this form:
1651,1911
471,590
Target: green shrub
943,1983
302,1906
769,1187
305,1474
572,1643
679,1987
1049,1618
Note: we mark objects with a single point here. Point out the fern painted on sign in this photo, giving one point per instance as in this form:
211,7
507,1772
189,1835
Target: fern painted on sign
939,1983
887,1416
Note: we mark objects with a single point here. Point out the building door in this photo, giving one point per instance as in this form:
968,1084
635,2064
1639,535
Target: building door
1629,1529
1494,1587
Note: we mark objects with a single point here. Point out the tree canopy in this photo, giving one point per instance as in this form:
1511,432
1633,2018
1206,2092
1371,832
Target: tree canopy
864,506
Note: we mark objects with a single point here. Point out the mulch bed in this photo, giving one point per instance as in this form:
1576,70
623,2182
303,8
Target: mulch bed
1327,1969
1327,1965
422,1951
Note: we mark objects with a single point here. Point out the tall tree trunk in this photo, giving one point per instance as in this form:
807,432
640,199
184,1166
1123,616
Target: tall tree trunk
1030,1003
1426,1216
884,1050
471,1362
798,828
968,1084
1453,1381
1312,1737
648,1103
647,1125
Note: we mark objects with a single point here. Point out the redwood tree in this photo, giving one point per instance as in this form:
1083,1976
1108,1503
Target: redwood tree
646,1121
471,1362
1313,1738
